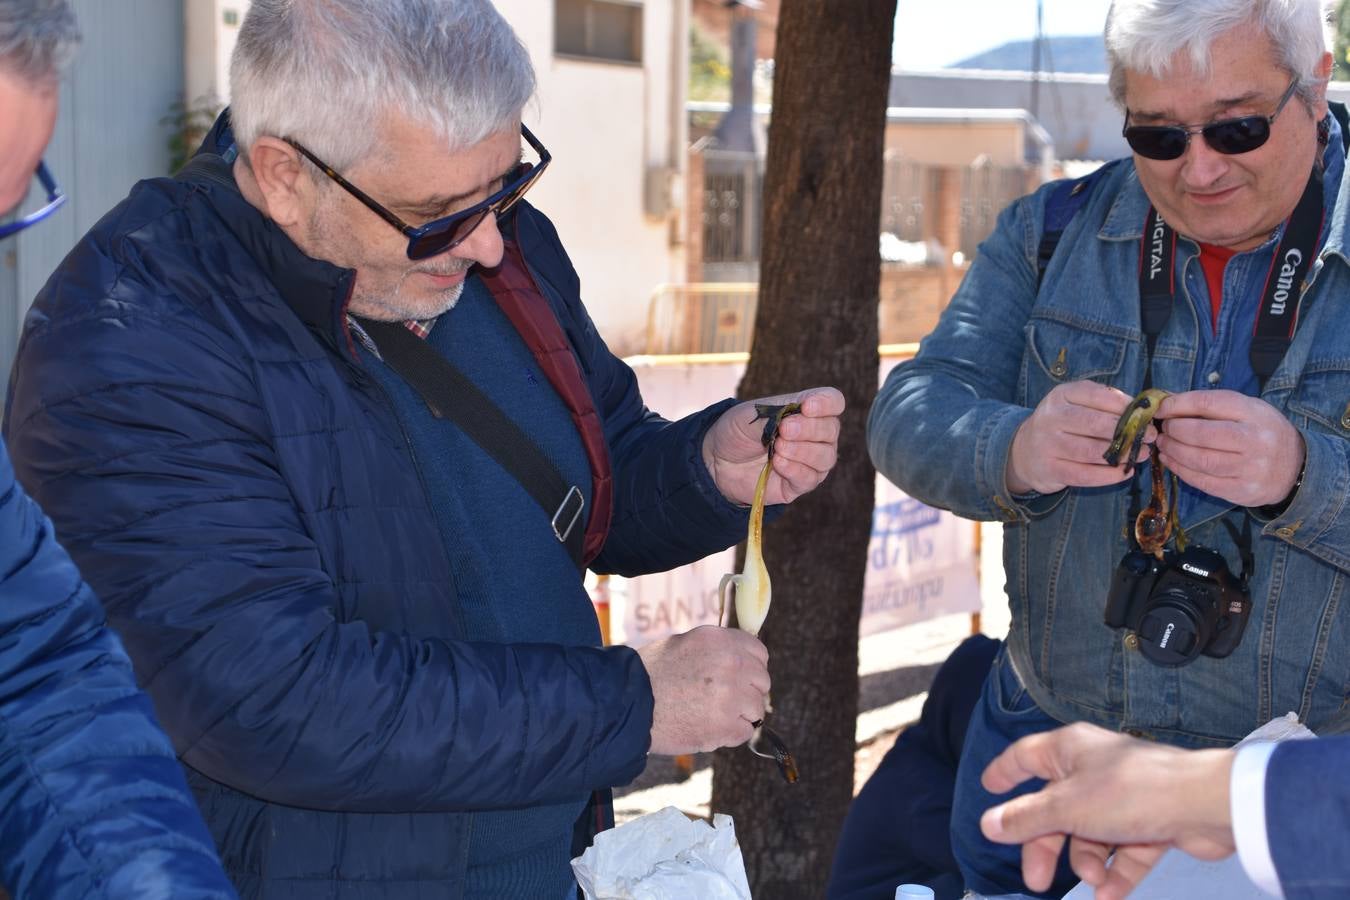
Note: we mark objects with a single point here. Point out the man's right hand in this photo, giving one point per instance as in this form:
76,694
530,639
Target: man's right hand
1108,793
709,685
1062,443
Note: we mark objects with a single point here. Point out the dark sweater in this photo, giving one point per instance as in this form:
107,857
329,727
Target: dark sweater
531,595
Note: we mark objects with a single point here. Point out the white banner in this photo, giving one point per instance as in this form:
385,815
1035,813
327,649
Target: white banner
921,562
667,603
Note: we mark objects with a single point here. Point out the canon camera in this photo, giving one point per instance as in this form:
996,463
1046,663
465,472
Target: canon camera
1181,606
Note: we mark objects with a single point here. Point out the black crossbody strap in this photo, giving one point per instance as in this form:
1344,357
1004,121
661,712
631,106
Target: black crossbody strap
450,395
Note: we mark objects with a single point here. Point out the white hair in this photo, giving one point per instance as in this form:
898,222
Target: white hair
328,72
1144,35
37,38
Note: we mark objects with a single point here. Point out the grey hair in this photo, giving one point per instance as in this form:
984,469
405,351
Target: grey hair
37,38
1144,35
327,72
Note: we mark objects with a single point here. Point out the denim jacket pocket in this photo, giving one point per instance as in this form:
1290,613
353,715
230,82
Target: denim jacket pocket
1321,399
1060,351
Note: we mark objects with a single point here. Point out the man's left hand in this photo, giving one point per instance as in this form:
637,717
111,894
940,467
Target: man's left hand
1231,446
806,449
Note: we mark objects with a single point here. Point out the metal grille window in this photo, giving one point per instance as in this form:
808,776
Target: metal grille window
599,29
733,187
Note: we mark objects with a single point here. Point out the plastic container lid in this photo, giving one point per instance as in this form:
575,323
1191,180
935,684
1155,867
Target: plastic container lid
913,892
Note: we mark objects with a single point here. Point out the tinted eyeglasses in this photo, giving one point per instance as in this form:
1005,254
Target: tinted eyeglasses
442,234
1230,136
55,197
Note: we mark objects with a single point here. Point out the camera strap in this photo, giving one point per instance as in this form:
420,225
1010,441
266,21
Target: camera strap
1243,540
1157,284
1280,298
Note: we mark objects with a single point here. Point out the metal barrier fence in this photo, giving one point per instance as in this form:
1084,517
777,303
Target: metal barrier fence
704,318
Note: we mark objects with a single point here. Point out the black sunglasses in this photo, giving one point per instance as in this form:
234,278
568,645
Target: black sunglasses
440,235
1230,136
55,197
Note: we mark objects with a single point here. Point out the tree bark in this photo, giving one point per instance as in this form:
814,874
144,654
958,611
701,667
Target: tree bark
816,325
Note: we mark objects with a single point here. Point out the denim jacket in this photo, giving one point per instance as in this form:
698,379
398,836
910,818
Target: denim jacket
943,424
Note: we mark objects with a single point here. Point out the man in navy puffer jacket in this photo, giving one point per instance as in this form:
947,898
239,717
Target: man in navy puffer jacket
92,802
375,657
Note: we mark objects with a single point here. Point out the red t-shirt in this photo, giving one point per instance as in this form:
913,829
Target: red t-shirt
1212,260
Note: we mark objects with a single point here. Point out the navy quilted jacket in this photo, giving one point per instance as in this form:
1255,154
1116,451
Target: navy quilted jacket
187,406
92,803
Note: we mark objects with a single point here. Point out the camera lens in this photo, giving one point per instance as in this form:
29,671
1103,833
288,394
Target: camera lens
1172,631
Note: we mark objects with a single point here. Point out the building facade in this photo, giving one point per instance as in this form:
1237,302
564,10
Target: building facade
1076,110
617,130
613,77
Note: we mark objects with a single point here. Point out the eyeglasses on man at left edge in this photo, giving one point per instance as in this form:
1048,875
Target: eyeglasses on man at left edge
55,197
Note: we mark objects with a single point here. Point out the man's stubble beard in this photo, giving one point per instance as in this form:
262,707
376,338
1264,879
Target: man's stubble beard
392,306
378,301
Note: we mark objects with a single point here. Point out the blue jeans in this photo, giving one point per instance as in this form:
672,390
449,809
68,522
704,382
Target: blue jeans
1004,713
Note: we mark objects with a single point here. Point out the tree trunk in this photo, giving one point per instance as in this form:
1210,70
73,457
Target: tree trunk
816,325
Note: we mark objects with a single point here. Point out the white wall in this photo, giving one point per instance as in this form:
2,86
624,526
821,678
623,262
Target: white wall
207,44
608,125
111,131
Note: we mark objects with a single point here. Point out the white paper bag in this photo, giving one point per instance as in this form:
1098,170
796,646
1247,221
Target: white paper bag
664,856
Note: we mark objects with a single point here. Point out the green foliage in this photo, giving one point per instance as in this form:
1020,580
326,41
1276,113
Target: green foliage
709,69
1341,20
188,123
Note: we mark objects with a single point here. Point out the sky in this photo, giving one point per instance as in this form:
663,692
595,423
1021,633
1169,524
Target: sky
930,34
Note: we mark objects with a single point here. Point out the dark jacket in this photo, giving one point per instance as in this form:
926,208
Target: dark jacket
188,405
92,803
1308,817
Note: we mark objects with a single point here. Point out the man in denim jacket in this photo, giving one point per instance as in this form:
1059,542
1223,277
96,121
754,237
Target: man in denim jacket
1009,406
